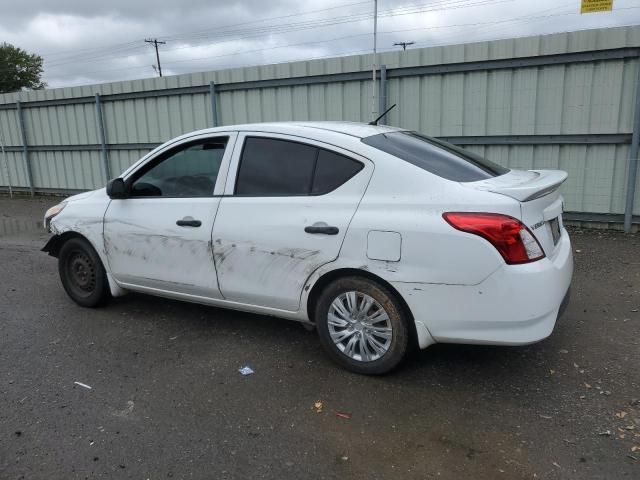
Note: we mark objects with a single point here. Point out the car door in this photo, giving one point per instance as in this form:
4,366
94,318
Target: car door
287,205
159,237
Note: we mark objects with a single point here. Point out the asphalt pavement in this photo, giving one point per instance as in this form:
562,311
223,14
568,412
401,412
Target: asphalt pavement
166,399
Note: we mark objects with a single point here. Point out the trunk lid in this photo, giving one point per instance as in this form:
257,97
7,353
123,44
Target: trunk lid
540,201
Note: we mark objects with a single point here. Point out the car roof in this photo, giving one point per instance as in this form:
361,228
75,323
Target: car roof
353,129
345,135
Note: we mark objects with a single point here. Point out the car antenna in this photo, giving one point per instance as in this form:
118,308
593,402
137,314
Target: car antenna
375,122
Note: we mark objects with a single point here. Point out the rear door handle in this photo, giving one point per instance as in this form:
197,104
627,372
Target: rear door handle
188,222
327,230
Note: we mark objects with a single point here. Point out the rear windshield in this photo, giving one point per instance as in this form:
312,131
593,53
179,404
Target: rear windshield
435,156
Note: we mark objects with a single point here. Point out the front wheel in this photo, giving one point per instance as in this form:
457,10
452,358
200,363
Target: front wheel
362,326
82,274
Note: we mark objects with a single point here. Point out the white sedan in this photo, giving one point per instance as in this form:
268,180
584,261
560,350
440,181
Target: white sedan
380,237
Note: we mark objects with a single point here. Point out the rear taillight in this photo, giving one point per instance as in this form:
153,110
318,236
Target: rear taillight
512,238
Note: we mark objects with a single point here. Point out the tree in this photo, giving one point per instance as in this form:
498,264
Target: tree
19,69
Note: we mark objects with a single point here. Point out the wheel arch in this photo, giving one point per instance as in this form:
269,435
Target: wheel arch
56,242
333,275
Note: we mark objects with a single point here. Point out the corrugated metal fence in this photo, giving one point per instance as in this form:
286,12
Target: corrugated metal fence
563,101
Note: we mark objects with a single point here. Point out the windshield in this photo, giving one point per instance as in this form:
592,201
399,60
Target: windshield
436,156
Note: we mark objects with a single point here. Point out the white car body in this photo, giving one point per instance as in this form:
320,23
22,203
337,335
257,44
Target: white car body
252,253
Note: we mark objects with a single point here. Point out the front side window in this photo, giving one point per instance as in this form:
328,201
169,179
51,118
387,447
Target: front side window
435,156
274,167
189,171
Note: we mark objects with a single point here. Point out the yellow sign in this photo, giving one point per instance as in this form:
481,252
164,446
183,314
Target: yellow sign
593,6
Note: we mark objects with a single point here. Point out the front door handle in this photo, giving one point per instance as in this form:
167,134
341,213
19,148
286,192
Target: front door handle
325,229
188,222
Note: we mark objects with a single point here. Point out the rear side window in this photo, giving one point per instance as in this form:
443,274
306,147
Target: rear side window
274,167
332,171
435,156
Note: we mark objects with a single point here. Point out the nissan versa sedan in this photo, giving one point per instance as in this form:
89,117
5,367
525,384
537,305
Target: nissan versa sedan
381,238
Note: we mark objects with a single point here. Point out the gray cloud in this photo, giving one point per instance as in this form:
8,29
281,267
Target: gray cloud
89,42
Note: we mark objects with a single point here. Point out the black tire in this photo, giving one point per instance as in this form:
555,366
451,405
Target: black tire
82,273
398,345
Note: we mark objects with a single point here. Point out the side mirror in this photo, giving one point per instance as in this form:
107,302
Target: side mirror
116,188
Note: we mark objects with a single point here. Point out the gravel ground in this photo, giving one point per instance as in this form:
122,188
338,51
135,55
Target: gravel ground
167,401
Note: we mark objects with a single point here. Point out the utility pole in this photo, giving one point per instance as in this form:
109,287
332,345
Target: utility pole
155,43
6,164
404,45
375,59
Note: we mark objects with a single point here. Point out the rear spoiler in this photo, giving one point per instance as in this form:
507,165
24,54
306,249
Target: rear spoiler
523,185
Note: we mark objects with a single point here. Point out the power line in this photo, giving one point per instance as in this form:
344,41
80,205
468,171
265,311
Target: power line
519,19
343,54
438,5
526,18
224,32
178,36
404,45
155,43
270,48
74,51
115,50
387,32
221,35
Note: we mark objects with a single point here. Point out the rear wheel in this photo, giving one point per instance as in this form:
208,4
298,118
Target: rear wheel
362,325
82,274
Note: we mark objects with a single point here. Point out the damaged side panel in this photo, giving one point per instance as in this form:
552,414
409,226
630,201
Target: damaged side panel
266,246
147,248
271,272
83,218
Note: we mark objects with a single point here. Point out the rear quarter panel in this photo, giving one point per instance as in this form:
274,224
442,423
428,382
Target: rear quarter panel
406,199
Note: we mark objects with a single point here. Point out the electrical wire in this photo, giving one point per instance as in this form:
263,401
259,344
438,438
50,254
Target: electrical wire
339,54
285,28
73,53
500,23
517,19
288,45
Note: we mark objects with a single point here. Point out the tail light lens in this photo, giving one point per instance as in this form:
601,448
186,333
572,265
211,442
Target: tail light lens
508,235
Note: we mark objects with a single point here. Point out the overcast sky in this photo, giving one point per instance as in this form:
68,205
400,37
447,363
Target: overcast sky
88,41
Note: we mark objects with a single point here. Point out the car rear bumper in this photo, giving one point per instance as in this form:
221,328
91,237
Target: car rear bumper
516,305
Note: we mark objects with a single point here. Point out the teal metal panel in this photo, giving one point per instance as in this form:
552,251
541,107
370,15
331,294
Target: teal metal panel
9,127
452,119
67,170
475,103
16,167
335,95
597,173
430,108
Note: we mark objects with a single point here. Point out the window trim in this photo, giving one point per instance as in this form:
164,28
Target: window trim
309,193
170,151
